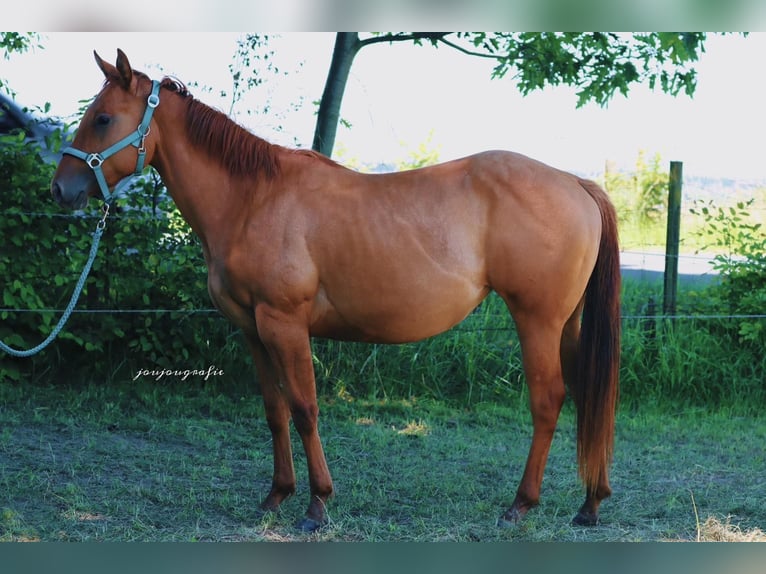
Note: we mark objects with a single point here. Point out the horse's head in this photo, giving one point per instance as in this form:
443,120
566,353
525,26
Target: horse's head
108,146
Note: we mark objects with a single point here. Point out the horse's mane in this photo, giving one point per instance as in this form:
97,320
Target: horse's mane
239,151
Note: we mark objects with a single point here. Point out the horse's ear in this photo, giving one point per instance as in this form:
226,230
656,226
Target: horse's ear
108,70
122,73
126,72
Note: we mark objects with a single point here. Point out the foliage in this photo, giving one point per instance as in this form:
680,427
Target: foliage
148,260
252,56
253,67
422,156
477,361
27,247
686,363
741,264
640,196
11,42
598,64
16,42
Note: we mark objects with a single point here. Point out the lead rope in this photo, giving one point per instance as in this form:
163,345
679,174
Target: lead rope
94,160
100,226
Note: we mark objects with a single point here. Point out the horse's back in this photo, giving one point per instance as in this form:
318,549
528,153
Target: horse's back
407,255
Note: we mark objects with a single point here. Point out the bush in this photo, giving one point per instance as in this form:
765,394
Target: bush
38,252
741,263
148,259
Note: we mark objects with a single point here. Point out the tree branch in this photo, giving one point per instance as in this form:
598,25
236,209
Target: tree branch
414,36
467,51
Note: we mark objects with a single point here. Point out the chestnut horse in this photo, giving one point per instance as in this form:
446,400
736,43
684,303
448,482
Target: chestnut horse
298,246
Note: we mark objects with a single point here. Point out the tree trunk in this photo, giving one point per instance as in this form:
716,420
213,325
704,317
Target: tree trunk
347,44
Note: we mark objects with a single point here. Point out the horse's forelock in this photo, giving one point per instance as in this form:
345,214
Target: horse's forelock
175,85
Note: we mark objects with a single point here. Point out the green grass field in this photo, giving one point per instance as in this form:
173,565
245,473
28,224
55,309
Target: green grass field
183,462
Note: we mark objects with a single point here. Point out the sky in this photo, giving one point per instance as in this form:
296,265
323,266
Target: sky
400,96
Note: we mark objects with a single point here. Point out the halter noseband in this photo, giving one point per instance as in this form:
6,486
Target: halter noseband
136,139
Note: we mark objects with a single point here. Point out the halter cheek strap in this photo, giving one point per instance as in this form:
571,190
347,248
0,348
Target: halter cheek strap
136,139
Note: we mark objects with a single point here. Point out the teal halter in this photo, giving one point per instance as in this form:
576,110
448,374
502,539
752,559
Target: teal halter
94,161
136,139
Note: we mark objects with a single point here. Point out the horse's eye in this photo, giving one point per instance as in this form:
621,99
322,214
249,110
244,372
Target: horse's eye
103,120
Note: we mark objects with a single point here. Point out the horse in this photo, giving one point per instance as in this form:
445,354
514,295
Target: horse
298,246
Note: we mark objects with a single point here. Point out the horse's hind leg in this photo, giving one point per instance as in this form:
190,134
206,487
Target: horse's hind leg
540,347
570,339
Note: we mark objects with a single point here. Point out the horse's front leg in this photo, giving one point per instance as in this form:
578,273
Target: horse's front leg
288,346
278,419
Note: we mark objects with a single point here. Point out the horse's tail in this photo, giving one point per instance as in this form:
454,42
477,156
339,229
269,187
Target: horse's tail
596,387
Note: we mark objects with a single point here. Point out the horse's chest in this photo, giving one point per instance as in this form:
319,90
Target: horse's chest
238,285
227,294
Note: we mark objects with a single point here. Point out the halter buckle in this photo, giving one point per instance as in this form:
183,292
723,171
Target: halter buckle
94,160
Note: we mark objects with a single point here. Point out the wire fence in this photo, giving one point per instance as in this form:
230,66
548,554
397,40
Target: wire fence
641,261
191,312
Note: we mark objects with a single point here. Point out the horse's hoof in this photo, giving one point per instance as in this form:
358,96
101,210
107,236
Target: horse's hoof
309,525
502,522
265,510
585,519
510,518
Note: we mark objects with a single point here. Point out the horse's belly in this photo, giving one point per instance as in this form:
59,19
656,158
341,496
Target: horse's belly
407,274
395,316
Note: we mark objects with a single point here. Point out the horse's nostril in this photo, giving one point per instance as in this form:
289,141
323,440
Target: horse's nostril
56,191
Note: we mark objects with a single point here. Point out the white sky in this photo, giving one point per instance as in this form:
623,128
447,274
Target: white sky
397,95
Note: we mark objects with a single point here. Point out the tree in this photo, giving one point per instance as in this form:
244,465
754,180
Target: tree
597,64
15,42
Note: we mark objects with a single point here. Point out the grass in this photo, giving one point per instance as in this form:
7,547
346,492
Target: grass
185,462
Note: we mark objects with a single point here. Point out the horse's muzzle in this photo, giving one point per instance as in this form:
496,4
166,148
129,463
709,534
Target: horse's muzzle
73,198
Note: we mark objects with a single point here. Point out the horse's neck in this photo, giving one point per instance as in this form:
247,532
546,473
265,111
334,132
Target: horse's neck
199,187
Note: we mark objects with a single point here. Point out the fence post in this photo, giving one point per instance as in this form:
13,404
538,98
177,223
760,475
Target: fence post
673,238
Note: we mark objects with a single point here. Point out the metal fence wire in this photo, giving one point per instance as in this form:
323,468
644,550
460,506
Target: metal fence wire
638,257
